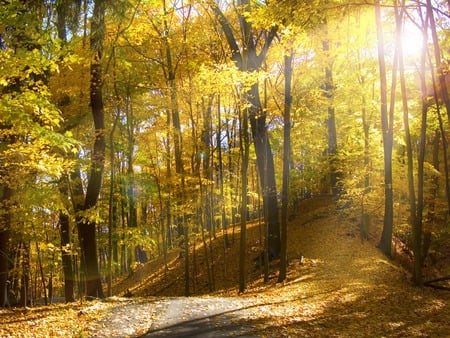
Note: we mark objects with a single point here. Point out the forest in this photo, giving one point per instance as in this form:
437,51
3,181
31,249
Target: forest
135,130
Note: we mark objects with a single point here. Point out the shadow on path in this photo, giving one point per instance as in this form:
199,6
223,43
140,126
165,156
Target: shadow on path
205,317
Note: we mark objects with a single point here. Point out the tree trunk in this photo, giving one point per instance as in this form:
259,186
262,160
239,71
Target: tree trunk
266,170
66,256
220,178
386,124
286,163
86,228
408,142
4,247
5,219
112,217
244,148
331,122
132,210
418,225
25,276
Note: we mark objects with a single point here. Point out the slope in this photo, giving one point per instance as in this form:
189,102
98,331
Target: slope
341,287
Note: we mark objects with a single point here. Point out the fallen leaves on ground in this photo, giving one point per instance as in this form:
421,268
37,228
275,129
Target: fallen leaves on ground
57,320
337,286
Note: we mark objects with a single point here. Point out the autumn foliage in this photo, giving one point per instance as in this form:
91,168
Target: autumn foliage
165,131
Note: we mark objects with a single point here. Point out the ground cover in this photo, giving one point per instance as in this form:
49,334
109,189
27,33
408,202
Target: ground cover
337,286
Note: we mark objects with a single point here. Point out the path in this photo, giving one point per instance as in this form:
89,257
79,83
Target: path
179,317
201,317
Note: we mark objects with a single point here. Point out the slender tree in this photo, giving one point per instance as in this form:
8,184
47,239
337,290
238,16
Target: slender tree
387,130
408,143
286,162
244,149
328,88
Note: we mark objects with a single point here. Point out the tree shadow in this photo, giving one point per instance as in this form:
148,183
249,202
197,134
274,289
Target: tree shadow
228,323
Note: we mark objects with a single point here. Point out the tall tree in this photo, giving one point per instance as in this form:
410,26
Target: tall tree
249,54
408,142
244,149
286,162
387,130
328,88
67,13
86,226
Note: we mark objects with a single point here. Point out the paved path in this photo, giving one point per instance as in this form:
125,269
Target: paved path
178,317
201,317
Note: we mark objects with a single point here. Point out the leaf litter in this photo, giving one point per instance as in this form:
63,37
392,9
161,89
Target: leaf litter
337,286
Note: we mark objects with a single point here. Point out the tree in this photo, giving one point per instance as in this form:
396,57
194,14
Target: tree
328,89
249,55
31,147
5,235
387,130
244,149
286,162
86,226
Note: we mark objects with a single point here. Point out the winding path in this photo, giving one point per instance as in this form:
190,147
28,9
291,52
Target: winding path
179,317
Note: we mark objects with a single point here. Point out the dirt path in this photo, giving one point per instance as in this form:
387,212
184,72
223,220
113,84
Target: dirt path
342,288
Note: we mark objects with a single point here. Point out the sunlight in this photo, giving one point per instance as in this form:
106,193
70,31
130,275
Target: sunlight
411,42
411,39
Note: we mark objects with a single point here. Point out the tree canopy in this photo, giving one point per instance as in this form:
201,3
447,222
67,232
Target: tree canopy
132,128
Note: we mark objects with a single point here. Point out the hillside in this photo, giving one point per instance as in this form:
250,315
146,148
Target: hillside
337,286
152,280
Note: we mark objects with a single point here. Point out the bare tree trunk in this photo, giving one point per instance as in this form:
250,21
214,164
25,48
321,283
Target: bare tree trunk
386,124
244,148
408,143
286,163
331,122
66,249
25,277
418,225
111,210
5,220
4,263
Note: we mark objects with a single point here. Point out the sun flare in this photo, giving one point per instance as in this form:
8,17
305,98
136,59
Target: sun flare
412,41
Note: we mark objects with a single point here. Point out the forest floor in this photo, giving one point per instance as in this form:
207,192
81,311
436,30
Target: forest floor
337,286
